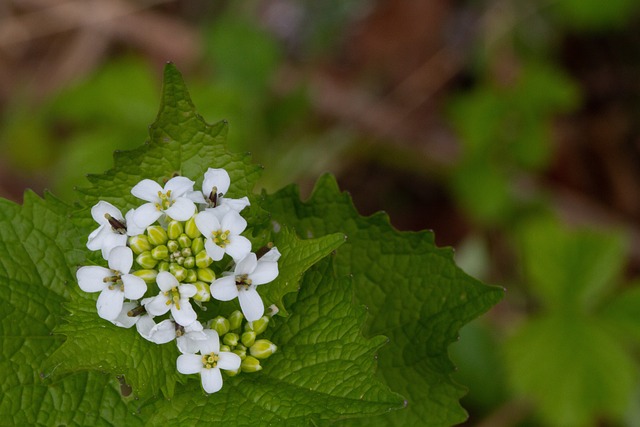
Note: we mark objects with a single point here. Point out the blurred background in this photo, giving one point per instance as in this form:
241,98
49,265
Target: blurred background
510,128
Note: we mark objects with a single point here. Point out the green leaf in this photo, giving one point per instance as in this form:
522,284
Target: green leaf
413,290
37,246
322,370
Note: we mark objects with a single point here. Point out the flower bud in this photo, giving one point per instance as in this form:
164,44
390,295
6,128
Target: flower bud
186,252
250,364
192,277
203,260
248,338
191,229
149,276
189,262
156,235
220,324
184,241
230,339
178,271
240,352
163,266
139,244
174,229
197,245
206,275
235,320
146,260
225,347
180,260
203,290
262,349
173,246
258,326
232,373
160,252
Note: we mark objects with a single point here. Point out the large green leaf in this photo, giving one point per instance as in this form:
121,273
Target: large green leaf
413,290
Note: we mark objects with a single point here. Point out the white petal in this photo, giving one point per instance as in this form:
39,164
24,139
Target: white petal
265,272
187,290
179,185
163,332
246,264
145,215
110,303
218,178
166,281
196,197
121,259
207,223
124,320
224,288
158,305
238,247
147,190
211,380
97,236
273,255
211,344
195,327
132,228
182,209
233,222
214,251
190,342
134,286
111,241
236,204
185,315
251,304
91,278
189,363
99,210
228,361
144,325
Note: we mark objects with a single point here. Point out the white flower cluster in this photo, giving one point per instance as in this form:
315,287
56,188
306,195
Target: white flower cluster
182,240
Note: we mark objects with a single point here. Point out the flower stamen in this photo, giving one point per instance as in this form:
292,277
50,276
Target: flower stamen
210,361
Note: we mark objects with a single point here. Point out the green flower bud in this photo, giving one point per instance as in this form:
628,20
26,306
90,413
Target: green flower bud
203,260
173,246
189,262
178,271
258,326
262,349
221,325
184,241
206,275
203,293
149,276
186,252
192,277
146,260
239,346
180,260
197,245
157,235
139,244
230,339
250,364
225,348
232,373
160,252
174,229
191,229
235,320
242,353
163,266
248,338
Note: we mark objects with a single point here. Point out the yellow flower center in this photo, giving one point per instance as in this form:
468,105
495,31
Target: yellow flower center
174,297
165,200
221,238
210,360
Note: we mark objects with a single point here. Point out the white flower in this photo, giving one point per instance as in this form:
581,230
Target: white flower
159,333
170,200
113,283
214,187
124,320
173,296
191,338
112,229
209,362
249,273
223,235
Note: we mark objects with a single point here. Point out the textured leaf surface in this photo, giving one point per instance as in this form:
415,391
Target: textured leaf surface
322,370
414,292
36,248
